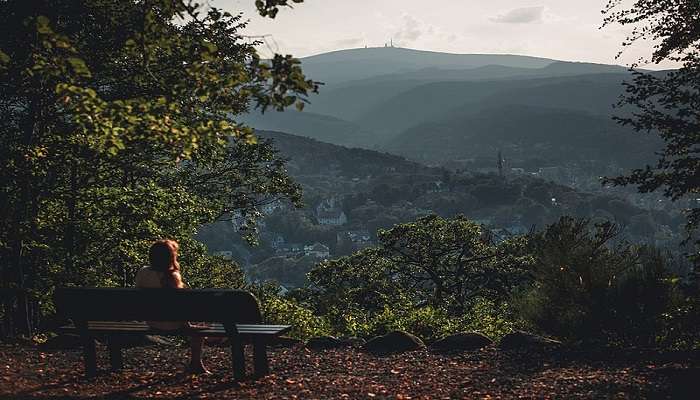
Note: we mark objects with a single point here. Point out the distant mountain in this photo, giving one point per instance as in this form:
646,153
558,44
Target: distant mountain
317,126
353,101
444,100
525,132
349,65
379,98
490,72
311,157
358,81
440,103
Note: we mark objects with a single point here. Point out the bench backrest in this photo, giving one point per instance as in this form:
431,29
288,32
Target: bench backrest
115,304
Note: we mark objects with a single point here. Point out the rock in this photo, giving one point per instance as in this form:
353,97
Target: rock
326,343
523,341
393,342
285,341
464,341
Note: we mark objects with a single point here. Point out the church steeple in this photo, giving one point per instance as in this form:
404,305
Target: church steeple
501,165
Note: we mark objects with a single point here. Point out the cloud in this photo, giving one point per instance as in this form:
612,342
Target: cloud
349,42
410,30
524,15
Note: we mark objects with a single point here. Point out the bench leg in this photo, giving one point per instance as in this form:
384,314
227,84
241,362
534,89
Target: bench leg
237,358
262,365
89,356
116,360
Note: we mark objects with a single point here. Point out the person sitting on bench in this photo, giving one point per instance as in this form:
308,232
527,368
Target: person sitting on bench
164,272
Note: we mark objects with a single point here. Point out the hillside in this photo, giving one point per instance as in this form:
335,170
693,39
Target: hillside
315,126
312,157
381,111
348,65
440,101
524,132
371,95
377,190
348,96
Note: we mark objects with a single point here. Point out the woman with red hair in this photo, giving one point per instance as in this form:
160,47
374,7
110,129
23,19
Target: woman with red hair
164,272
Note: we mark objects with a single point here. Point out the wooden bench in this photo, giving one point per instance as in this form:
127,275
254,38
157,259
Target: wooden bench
234,314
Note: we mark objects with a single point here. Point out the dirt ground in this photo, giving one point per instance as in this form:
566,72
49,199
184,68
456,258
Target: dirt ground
299,373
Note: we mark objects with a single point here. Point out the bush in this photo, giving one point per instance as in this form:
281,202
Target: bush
681,321
587,288
285,310
427,322
492,319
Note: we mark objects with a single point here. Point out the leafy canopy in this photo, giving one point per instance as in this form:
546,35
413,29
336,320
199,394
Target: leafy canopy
665,103
118,126
444,267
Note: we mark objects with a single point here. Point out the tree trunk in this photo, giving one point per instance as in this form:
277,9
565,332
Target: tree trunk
24,211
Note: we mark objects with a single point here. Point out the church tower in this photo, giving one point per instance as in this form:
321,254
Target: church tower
501,164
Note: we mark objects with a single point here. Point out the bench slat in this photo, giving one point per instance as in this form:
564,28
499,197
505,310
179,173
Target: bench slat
217,329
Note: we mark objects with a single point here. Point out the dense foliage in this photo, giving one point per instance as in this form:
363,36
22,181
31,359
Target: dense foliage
574,280
589,286
118,127
428,276
665,104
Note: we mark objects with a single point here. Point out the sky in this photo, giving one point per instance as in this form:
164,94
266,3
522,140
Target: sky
567,30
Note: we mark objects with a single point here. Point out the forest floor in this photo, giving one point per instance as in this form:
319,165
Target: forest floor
26,372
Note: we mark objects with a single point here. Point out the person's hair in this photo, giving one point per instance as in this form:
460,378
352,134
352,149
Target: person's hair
163,258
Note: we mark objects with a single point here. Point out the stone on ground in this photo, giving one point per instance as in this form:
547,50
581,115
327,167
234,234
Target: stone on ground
393,342
463,341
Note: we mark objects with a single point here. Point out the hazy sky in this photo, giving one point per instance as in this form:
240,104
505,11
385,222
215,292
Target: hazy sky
559,29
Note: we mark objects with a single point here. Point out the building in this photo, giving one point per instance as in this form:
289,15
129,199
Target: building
276,241
291,250
437,187
238,220
330,212
356,240
317,250
332,217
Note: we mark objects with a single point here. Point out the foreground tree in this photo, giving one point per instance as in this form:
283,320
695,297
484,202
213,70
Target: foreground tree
443,266
117,124
588,285
666,103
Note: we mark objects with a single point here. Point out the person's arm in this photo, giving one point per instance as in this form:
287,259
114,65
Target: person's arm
178,279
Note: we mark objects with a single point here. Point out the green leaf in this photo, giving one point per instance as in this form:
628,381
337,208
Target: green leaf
4,58
79,66
42,25
211,47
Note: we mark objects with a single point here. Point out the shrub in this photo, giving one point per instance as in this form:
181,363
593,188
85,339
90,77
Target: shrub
285,310
588,288
494,320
